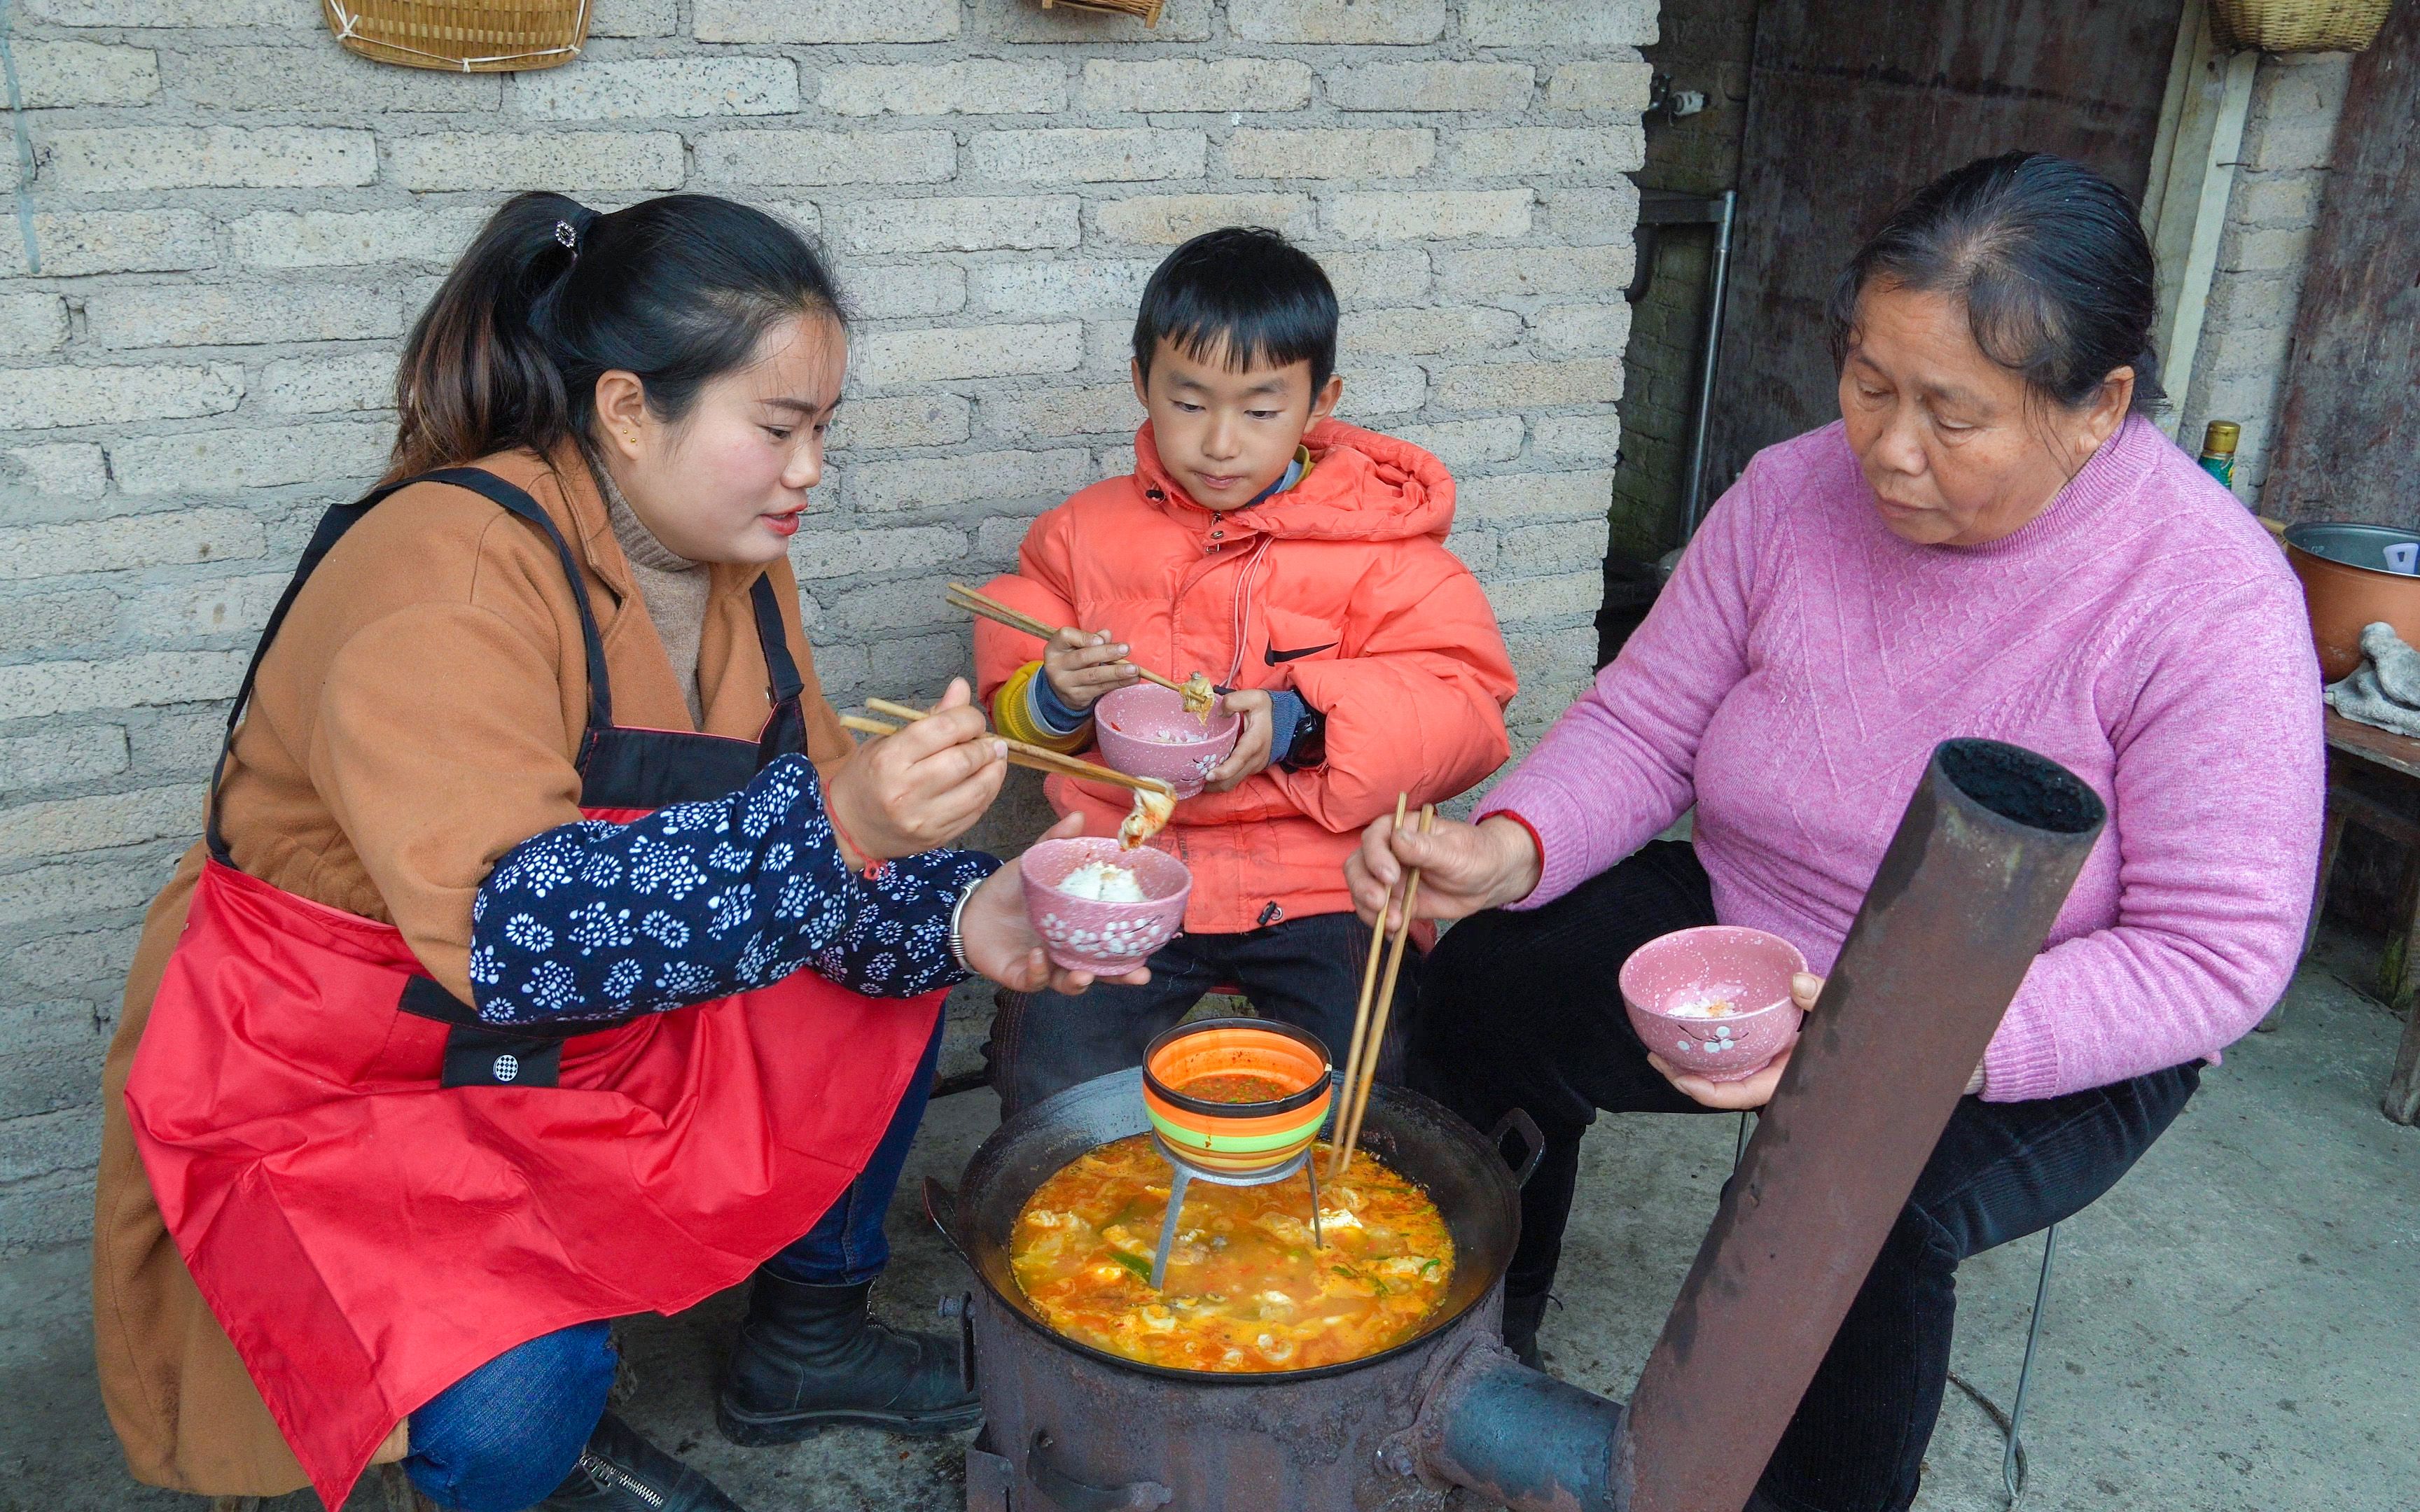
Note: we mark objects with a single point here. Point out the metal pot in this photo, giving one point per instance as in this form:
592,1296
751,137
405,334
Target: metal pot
1080,1429
2347,586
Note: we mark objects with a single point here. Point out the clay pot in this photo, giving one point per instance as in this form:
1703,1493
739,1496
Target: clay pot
2345,592
1745,968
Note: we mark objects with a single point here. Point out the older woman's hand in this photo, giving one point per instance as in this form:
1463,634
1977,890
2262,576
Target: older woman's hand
1463,867
1757,1090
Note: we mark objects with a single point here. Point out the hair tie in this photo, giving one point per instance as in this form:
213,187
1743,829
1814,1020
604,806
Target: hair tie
569,237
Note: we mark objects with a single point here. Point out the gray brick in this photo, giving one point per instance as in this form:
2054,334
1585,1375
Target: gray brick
319,79
1432,86
809,157
1538,600
1534,496
51,1056
1105,409
51,74
89,956
821,555
633,18
76,754
32,323
180,13
1598,152
1337,20
1581,329
1156,85
37,397
63,827
919,666
999,537
215,157
1530,385
51,470
1415,332
1600,83
825,21
587,161
651,88
1436,215
173,744
1558,23
971,86
1394,277
910,420
1329,154
891,607
1462,443
223,462
55,1211
175,537
1165,220
1059,155
1023,21
886,358
1598,216
329,385
1020,222
236,606
1383,391
77,243
1495,273
239,314
48,1143
1060,286
326,239
890,293
882,487
1555,547
40,622
1579,437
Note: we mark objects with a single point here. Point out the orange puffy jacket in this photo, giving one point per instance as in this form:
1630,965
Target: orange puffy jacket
1340,589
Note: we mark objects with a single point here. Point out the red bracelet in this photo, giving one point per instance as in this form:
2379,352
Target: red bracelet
875,866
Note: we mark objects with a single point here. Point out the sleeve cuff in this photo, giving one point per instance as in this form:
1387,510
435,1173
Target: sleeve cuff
1556,826
1049,711
2020,1064
1285,713
1013,712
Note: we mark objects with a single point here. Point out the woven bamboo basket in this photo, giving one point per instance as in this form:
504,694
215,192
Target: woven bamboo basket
461,35
1147,9
2297,25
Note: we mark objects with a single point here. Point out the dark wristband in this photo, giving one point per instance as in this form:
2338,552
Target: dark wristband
1308,749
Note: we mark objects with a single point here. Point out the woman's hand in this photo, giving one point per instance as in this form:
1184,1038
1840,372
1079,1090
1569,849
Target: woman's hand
1757,1090
1084,664
922,787
1463,867
999,936
1252,743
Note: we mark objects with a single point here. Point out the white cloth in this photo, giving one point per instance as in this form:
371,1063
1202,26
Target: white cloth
2384,689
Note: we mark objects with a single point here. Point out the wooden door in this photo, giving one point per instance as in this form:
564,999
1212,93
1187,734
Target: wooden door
2349,440
1853,107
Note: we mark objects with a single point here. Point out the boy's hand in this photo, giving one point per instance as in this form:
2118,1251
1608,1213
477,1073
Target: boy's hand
1251,752
1084,664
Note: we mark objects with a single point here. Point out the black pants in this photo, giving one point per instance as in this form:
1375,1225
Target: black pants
1305,972
1523,1010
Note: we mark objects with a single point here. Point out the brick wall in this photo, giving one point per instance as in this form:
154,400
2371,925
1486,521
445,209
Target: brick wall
236,221
2247,330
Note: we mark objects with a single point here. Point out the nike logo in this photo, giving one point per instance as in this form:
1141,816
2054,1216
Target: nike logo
1273,655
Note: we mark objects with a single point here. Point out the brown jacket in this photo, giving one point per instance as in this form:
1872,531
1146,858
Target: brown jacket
418,717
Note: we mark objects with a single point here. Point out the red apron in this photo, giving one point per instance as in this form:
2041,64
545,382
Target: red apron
377,1194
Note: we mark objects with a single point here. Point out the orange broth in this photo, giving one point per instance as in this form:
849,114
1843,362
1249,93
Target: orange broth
1235,1087
1247,1289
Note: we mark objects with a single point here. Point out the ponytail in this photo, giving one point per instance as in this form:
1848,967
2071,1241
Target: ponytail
551,295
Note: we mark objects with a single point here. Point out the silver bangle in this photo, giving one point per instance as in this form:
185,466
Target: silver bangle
957,930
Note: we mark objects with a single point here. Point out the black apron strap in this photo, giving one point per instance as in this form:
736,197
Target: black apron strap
332,528
785,731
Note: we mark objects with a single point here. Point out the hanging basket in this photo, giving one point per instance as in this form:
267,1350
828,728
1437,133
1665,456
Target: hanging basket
2297,25
461,35
1147,9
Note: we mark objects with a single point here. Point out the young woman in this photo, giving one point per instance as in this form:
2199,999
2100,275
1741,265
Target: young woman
551,953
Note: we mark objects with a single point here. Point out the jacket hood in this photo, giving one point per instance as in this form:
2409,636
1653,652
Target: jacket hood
1364,486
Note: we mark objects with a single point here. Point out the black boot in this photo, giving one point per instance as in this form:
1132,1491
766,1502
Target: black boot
810,1358
1522,1316
620,1472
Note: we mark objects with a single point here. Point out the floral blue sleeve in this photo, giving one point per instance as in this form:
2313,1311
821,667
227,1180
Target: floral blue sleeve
699,901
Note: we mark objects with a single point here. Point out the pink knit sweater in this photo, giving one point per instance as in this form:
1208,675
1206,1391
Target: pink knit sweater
1797,672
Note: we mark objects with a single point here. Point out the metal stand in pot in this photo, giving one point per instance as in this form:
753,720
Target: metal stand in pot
1186,1173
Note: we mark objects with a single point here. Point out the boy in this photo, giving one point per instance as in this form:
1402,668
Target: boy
1300,563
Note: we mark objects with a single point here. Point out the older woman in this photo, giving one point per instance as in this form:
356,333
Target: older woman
1992,541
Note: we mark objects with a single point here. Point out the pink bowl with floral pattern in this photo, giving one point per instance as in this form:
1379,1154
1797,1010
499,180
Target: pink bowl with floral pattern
1671,982
1144,730
1107,939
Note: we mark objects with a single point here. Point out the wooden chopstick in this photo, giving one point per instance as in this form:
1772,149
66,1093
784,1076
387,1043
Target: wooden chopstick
1361,1007
961,597
1019,754
1385,1004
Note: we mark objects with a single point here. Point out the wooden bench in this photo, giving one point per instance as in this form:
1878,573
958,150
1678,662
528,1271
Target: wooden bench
2353,745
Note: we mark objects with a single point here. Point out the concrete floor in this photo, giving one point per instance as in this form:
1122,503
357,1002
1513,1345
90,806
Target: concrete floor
2235,1328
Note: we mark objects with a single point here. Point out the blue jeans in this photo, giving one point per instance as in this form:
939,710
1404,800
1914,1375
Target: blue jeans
504,1436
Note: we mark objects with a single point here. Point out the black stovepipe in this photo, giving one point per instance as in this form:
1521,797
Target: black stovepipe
1966,894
